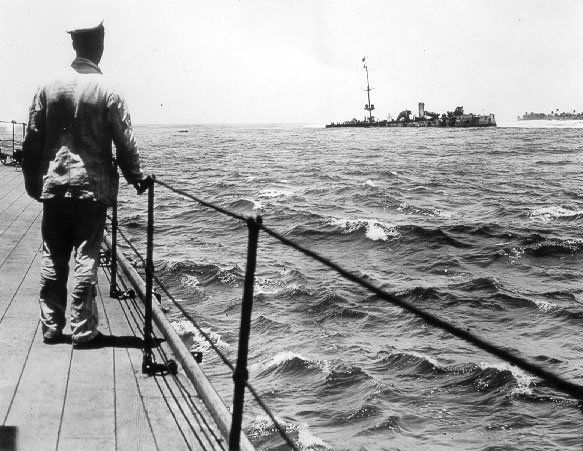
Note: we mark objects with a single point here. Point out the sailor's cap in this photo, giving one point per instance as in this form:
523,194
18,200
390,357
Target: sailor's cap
85,23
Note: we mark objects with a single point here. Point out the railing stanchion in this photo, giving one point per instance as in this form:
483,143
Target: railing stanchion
148,364
113,291
149,279
241,374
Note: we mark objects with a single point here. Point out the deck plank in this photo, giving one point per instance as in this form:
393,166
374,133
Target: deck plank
16,259
133,429
11,184
18,326
38,403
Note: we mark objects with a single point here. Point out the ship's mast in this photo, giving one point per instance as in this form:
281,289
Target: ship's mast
368,107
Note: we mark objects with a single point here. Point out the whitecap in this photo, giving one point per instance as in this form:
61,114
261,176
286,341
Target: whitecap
427,358
446,213
272,193
375,230
513,254
286,356
370,183
280,358
184,327
554,212
256,204
417,188
522,379
190,281
267,286
307,440
440,212
545,306
262,424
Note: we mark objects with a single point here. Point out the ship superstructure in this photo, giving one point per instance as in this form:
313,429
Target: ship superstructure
424,118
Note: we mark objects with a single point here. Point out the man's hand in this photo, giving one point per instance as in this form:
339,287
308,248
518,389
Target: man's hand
143,184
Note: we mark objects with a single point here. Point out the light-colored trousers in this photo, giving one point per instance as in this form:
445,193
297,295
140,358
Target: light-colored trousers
67,225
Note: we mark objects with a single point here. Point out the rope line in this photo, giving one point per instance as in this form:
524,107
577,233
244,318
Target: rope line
560,383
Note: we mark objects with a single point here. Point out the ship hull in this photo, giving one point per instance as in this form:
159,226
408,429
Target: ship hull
463,121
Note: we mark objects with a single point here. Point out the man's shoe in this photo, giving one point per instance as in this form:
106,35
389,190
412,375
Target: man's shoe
55,339
99,341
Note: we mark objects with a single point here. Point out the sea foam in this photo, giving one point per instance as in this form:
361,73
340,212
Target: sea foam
375,230
522,379
554,212
185,328
273,193
308,441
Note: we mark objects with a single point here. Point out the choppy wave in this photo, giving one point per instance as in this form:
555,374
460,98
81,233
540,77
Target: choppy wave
265,325
275,193
262,427
374,230
538,246
196,275
195,339
289,362
480,377
438,212
433,235
246,205
499,373
555,212
333,305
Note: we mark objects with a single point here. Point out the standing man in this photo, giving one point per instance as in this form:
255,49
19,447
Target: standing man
69,166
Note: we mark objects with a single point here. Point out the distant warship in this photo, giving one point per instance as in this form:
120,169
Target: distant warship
457,118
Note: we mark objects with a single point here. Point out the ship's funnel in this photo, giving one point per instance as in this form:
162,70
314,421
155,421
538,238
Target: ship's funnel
421,109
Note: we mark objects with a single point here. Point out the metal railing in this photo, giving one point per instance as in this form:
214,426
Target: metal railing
16,157
240,372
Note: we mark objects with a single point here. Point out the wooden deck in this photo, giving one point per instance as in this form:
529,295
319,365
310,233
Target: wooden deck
59,398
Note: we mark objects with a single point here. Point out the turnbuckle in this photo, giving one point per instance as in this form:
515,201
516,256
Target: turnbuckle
104,258
152,368
197,355
122,295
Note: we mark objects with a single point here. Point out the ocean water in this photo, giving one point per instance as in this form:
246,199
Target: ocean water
482,227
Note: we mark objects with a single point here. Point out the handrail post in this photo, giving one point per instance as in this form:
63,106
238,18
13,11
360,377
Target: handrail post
148,365
241,374
147,362
113,291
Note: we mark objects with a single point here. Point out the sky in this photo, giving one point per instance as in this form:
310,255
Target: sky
300,61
